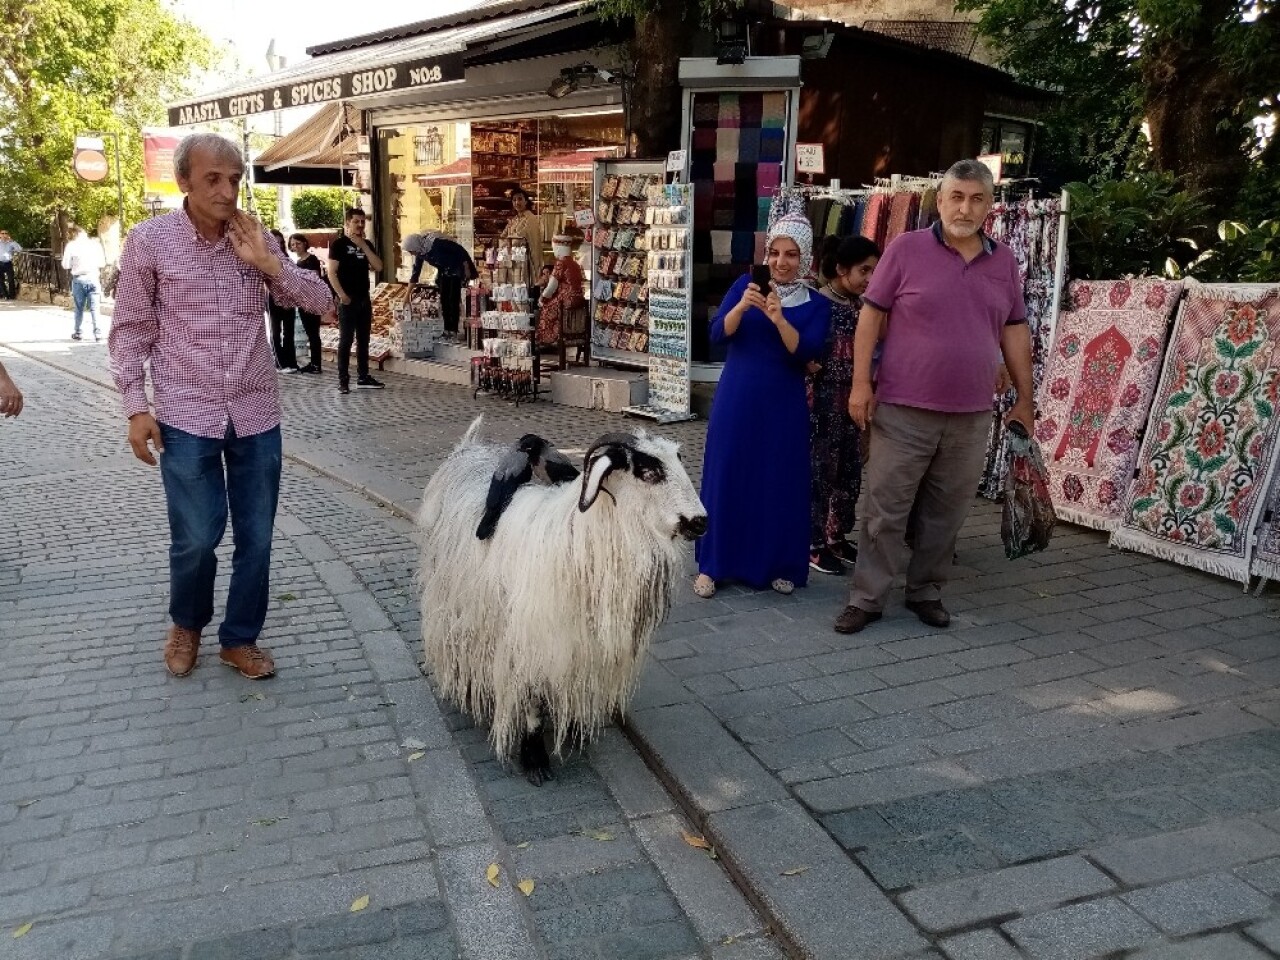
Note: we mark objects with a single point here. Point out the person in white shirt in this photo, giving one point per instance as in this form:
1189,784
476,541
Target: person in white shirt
84,259
8,279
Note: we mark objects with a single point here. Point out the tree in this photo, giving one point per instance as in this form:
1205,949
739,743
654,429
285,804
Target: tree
1196,72
73,66
664,32
317,209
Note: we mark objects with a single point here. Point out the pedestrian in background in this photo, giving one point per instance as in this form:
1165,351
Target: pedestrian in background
301,248
947,301
350,260
83,259
8,279
282,321
454,269
189,309
835,441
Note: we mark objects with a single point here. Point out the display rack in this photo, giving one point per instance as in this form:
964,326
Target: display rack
421,322
670,274
503,155
501,322
619,291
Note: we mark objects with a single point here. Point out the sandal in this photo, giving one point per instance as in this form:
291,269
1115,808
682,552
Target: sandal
783,587
704,586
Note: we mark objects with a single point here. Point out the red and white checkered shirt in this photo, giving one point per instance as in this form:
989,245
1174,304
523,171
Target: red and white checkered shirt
193,311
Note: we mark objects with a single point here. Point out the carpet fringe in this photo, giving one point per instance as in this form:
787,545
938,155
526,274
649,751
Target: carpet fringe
1229,568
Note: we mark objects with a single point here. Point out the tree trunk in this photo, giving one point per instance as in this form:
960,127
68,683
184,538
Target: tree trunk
1191,101
662,37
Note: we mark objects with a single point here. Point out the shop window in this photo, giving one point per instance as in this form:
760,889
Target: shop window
1012,140
428,149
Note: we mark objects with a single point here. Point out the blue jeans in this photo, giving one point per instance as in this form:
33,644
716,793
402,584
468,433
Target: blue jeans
85,294
198,492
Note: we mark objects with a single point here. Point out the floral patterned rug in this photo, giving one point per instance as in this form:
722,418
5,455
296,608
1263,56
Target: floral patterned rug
1210,449
1097,392
1266,559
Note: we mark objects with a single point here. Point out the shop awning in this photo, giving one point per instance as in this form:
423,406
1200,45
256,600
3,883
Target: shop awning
414,62
328,139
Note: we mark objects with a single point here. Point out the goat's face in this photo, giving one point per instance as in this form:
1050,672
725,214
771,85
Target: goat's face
645,471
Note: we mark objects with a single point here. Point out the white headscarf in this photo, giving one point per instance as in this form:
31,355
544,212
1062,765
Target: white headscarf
797,229
418,244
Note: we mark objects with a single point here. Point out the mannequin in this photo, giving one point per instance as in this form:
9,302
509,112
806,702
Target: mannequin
563,291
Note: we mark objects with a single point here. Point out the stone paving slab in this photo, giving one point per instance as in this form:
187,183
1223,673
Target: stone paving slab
143,815
1082,700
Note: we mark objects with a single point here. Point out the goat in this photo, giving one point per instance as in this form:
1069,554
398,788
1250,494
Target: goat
549,618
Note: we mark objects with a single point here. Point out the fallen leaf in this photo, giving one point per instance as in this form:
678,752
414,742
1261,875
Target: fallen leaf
267,821
522,846
492,874
251,696
526,887
413,743
416,755
693,840
711,852
359,903
602,835
23,804
794,871
286,597
23,930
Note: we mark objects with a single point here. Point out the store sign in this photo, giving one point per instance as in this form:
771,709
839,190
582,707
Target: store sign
413,74
584,218
995,163
676,160
90,165
809,158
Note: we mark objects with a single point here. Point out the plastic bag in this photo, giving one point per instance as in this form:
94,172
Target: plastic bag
1026,523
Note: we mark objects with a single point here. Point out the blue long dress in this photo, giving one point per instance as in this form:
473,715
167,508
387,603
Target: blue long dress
755,474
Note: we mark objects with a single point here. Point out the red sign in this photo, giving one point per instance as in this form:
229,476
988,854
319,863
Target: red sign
158,145
90,165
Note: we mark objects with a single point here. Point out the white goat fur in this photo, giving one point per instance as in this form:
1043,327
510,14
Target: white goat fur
558,606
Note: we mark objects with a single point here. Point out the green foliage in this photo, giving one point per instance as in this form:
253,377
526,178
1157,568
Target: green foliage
703,10
266,202
1128,227
1242,254
315,209
74,66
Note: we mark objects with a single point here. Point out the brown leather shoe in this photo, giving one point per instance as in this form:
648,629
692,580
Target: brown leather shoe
251,660
930,612
854,619
181,647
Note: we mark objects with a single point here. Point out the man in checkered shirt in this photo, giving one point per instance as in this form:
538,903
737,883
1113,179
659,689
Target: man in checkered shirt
189,306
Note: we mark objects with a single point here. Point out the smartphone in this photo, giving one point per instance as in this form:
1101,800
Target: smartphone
760,276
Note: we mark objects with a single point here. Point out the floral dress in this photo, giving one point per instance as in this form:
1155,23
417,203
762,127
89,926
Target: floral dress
835,440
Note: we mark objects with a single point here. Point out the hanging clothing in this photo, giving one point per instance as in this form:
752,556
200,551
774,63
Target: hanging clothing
756,476
835,440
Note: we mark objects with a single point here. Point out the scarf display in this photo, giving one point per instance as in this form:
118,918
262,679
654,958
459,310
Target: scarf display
1030,228
1210,451
1097,392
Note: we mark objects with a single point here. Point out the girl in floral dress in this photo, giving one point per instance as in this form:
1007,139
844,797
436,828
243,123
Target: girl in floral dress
835,441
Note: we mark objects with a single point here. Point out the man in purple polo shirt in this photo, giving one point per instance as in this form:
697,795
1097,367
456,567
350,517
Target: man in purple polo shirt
947,302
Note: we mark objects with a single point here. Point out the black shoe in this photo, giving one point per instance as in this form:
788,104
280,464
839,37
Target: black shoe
824,561
311,368
343,388
854,619
75,336
930,612
368,383
844,551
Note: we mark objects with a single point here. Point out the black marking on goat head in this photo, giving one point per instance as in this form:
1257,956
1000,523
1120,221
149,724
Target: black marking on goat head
613,451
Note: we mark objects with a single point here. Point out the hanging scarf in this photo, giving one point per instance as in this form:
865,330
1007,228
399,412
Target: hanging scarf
797,229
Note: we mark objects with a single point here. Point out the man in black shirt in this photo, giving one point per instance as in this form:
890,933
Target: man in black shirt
350,260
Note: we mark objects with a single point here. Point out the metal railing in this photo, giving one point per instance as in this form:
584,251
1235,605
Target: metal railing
41,270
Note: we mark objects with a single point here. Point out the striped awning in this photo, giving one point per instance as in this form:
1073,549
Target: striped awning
330,138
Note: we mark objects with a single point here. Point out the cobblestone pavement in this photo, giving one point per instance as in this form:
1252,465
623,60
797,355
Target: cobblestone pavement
1086,764
211,817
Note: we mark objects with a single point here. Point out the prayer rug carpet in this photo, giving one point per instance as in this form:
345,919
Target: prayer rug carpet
1097,393
1210,446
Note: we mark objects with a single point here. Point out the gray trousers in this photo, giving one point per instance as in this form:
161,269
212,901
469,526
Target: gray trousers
941,455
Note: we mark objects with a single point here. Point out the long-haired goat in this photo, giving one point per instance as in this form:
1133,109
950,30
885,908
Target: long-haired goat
550,617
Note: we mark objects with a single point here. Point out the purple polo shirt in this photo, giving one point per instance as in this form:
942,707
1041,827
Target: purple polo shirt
942,337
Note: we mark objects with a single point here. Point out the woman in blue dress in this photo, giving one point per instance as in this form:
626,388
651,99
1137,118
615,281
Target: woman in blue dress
755,476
